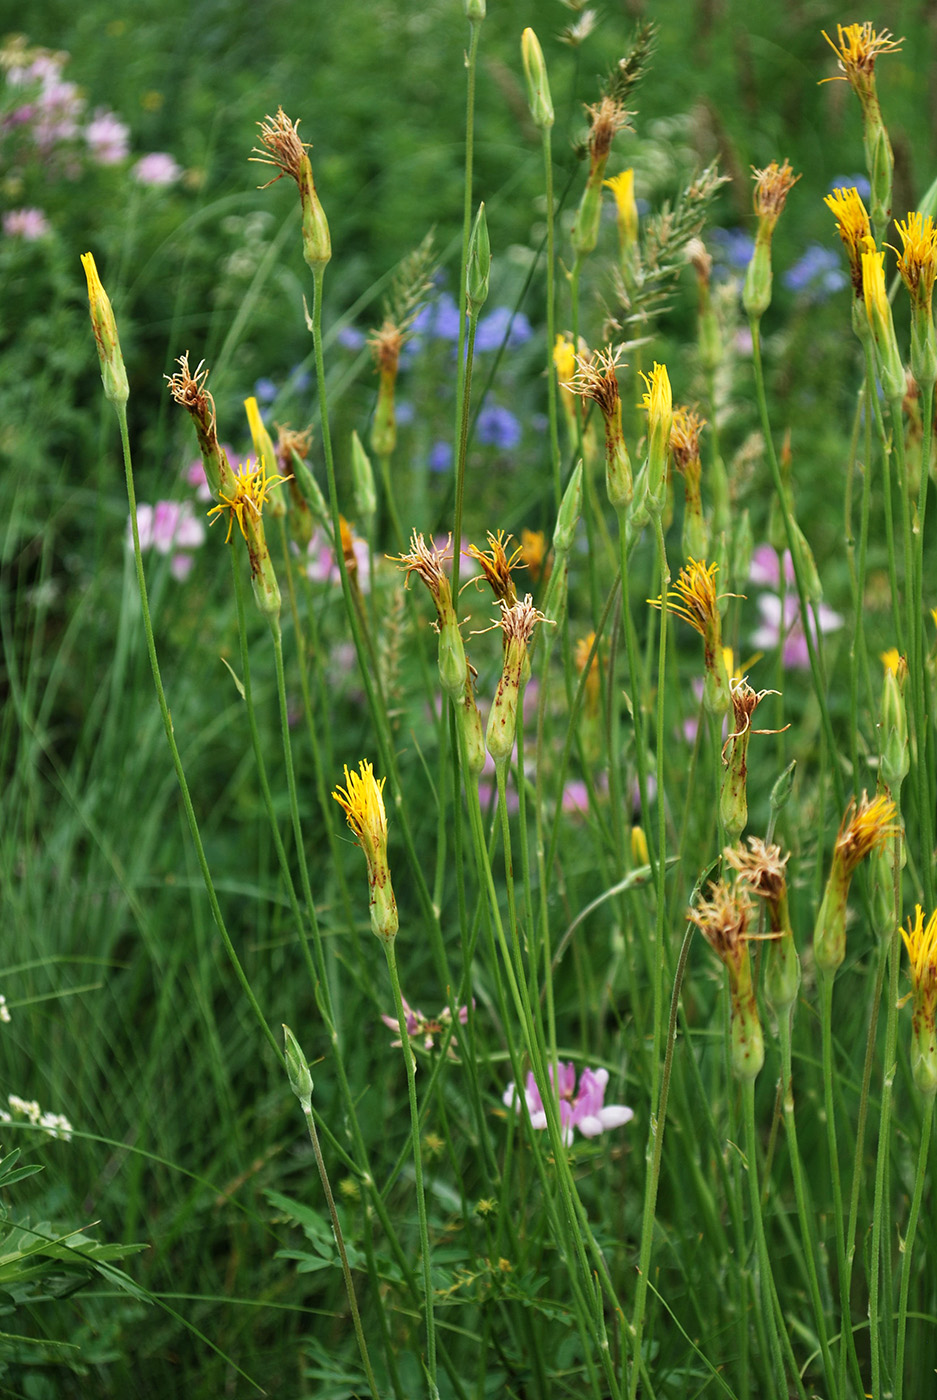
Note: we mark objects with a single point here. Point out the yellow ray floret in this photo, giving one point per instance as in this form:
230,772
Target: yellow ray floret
920,939
693,596
362,801
252,487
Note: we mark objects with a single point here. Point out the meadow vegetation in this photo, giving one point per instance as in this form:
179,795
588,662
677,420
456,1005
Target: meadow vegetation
519,472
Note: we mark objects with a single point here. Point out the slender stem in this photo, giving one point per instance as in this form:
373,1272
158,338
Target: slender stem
804,1215
847,1338
546,135
340,1243
919,1182
174,749
815,670
417,1166
880,1205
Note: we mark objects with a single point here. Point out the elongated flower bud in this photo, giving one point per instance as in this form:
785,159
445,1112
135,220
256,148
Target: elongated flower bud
479,263
362,801
363,478
881,323
518,624
723,920
865,827
921,943
538,85
282,148
297,1069
113,371
772,186
265,453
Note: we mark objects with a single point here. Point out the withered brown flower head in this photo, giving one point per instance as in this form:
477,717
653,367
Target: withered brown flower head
290,440
684,437
772,186
427,563
496,566
596,379
724,920
606,119
745,702
761,867
282,148
188,388
386,345
517,622
700,260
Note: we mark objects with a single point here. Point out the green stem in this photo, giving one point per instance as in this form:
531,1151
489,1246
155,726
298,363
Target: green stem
880,1206
546,138
417,1166
340,1242
174,750
919,1181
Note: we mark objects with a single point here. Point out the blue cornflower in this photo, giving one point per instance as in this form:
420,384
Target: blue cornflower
498,324
440,456
733,247
818,274
439,319
859,183
265,391
498,427
350,338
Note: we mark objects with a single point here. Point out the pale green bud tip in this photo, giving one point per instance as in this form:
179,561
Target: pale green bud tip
297,1069
538,85
363,476
781,792
475,9
478,267
570,511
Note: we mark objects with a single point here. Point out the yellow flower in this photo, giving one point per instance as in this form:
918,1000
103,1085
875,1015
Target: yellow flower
246,500
917,262
693,597
113,373
920,939
857,47
865,828
891,659
873,279
564,359
362,801
533,551
622,187
659,397
852,222
772,186
496,565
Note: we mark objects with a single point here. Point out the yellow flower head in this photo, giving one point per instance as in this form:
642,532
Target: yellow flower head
684,437
496,565
772,186
694,596
113,373
581,656
533,551
622,187
891,660
244,501
852,222
659,397
857,47
873,282
917,261
362,801
865,828
564,358
920,939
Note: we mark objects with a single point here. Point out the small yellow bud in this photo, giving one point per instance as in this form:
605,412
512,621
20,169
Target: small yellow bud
113,371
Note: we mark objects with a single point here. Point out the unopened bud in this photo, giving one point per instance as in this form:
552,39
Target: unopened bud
479,263
538,86
113,371
297,1069
363,477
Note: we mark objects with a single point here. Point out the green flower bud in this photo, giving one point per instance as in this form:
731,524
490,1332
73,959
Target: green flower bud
297,1069
538,85
478,268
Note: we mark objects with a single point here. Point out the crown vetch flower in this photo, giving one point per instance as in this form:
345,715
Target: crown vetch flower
584,1109
362,801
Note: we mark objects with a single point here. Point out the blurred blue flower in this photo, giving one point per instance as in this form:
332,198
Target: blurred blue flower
440,456
860,183
299,380
818,274
732,247
350,338
498,427
404,412
439,319
265,391
498,324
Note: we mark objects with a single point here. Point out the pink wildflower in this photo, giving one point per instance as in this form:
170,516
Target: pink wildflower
108,137
425,1027
170,527
585,1110
156,169
28,224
